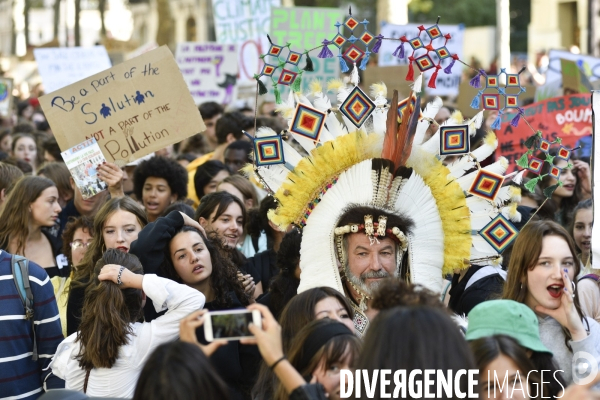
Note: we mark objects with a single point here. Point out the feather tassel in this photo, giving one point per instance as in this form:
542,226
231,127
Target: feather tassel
475,103
262,89
325,52
550,190
354,78
448,69
530,142
515,121
476,81
532,184
297,84
411,71
497,122
309,63
433,78
377,45
365,60
523,161
399,52
343,65
277,94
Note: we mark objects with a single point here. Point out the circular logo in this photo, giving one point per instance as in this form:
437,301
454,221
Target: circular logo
585,368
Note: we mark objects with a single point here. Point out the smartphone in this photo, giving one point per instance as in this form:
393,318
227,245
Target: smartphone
230,324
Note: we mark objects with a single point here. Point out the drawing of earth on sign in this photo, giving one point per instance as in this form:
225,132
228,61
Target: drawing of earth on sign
3,91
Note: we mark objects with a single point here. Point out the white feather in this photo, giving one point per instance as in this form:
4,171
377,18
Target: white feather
499,167
510,212
354,78
475,123
431,110
518,178
418,85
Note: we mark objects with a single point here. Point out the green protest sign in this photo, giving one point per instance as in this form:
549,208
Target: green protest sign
305,28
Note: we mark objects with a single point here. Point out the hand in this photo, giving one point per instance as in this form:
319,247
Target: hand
113,176
582,169
268,337
581,392
566,314
110,272
248,283
187,332
190,222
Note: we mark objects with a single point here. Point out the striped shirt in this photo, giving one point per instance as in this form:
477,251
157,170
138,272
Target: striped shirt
20,376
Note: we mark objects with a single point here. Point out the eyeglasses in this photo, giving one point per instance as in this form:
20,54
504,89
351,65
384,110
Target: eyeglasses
79,244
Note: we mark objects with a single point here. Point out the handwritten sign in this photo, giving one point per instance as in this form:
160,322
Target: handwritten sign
588,64
305,28
568,117
6,88
446,84
132,109
210,70
245,23
573,80
60,67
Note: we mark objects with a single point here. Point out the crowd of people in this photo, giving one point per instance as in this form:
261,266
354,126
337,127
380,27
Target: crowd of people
112,297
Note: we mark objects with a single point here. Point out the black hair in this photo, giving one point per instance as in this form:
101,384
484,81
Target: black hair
241,145
23,128
217,201
51,146
179,206
186,156
161,167
258,220
223,279
210,109
285,284
179,371
205,173
409,338
234,123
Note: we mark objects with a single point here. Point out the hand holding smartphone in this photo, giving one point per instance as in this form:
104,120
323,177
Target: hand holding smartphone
230,324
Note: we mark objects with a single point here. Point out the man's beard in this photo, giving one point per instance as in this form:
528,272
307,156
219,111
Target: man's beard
360,281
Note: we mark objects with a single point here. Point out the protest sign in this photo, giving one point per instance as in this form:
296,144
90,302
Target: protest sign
81,160
305,28
588,64
132,109
60,67
210,70
567,117
245,23
446,84
6,88
596,182
574,81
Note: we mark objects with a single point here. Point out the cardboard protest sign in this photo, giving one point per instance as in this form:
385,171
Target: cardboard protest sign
210,70
245,23
6,98
82,160
588,64
305,28
60,67
132,109
573,80
393,77
569,117
596,182
446,84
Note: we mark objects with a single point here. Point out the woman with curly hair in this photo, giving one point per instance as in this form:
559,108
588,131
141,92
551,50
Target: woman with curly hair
177,246
158,182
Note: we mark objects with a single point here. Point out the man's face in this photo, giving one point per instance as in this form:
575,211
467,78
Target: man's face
235,160
369,264
209,133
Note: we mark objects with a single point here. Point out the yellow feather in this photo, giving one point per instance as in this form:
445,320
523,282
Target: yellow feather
457,116
334,84
378,89
452,206
313,173
285,110
490,138
315,86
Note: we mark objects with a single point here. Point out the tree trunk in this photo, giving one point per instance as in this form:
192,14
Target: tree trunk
77,27
164,35
26,9
102,9
56,8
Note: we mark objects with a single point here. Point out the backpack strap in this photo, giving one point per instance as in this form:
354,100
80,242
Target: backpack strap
20,271
591,276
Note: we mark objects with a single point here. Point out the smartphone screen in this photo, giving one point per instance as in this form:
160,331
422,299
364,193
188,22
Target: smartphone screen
231,325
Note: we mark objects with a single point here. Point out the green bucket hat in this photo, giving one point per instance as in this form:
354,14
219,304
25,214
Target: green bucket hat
506,317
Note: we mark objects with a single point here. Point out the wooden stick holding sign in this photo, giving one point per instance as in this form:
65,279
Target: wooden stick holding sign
132,109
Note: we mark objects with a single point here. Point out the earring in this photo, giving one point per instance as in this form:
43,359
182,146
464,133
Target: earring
573,285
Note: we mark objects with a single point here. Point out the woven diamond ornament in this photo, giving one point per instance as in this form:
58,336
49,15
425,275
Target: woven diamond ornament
353,54
486,185
308,122
268,69
357,107
535,165
544,145
268,150
294,57
554,172
287,77
499,233
491,81
564,153
491,101
454,140
424,63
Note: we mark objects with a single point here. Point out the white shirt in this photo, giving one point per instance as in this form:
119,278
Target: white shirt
121,379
